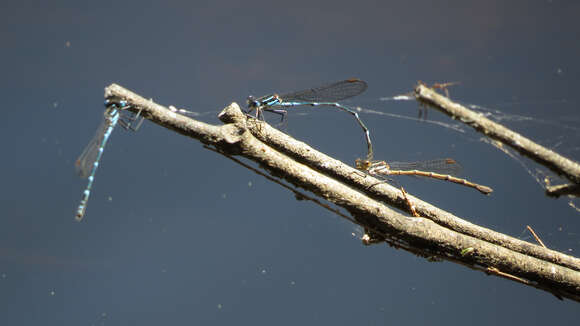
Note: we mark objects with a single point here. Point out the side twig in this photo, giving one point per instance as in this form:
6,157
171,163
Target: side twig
536,236
552,160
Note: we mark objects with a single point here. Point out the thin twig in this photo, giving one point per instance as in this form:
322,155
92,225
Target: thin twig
536,236
494,270
411,206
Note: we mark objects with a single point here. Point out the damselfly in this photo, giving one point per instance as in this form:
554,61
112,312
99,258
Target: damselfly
87,163
326,95
447,167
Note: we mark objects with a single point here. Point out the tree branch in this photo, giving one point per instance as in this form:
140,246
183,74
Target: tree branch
440,234
550,159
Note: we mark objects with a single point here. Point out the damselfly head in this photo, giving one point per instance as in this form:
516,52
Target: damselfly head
361,164
252,103
115,101
111,101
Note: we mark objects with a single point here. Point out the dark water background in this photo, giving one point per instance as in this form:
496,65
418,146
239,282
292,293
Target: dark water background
175,234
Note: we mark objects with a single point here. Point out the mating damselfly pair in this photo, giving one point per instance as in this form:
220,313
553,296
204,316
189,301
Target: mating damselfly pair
326,95
329,95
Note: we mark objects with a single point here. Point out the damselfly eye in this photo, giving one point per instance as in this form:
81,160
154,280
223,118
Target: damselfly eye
362,164
252,103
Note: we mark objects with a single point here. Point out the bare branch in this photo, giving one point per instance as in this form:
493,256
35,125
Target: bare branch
343,186
552,160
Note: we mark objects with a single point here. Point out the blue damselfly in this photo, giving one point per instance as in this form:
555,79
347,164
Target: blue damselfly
326,95
88,162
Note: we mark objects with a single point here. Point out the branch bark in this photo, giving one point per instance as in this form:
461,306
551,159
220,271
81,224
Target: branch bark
438,235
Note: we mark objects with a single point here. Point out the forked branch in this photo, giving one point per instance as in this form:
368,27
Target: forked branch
439,235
